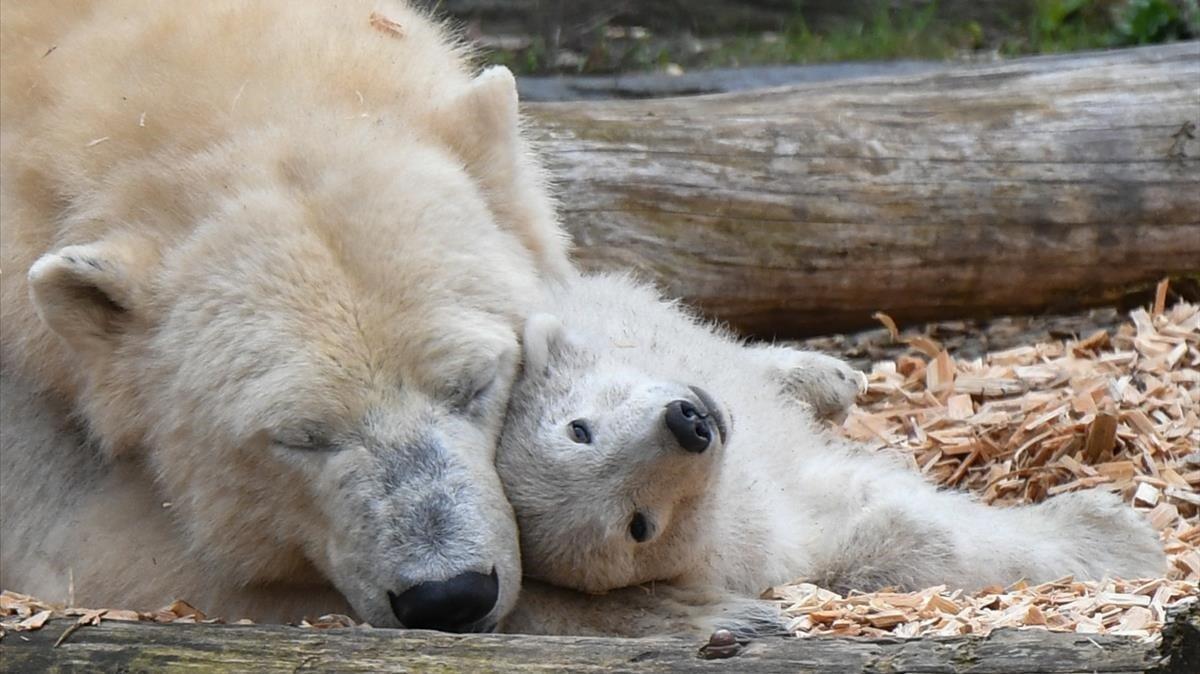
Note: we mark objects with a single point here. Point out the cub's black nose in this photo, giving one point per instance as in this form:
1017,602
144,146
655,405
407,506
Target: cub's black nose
452,605
690,424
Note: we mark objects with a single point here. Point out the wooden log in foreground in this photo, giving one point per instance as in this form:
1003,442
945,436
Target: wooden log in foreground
1042,183
146,647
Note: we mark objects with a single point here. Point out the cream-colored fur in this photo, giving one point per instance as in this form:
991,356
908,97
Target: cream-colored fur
773,499
272,258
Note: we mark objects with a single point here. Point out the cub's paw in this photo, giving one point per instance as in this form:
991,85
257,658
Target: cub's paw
1106,535
658,610
702,611
826,383
747,619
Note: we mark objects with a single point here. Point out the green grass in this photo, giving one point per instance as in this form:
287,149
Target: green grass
886,35
1053,26
1071,25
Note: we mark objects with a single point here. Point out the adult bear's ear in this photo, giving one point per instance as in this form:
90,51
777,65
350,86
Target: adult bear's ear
545,340
481,125
89,294
485,125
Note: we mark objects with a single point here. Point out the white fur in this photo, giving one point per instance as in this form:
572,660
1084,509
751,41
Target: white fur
264,262
783,500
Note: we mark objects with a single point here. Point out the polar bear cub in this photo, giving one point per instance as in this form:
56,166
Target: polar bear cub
643,445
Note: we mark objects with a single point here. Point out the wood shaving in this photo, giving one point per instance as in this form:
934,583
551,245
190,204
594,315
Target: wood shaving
1119,607
20,613
385,25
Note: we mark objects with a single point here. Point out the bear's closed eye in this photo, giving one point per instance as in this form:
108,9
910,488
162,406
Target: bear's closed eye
303,436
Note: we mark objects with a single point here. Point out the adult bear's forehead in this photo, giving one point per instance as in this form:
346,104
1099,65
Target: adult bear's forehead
393,219
388,257
296,311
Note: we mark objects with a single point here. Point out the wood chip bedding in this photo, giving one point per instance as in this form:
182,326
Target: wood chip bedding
1117,410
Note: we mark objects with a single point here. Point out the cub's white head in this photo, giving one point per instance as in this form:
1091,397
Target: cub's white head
606,465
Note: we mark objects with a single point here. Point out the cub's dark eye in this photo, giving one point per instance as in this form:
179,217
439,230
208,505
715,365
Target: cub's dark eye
581,432
639,529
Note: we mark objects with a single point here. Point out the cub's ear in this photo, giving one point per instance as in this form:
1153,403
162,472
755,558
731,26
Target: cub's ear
545,339
89,294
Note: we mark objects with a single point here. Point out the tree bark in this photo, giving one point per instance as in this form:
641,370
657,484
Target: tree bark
1035,184
143,647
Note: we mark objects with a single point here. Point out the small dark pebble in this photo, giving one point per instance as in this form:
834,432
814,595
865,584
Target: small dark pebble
722,644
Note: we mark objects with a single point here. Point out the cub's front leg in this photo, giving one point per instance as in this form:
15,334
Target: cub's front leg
643,611
829,385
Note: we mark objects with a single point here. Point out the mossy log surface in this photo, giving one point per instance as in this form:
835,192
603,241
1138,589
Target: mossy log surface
143,647
1048,183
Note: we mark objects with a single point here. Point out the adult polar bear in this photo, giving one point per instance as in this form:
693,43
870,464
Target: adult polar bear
265,264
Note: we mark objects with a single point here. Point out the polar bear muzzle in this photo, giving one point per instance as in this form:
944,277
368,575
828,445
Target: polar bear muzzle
457,604
694,424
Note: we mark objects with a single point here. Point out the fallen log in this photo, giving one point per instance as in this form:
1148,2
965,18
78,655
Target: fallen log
713,81
1042,183
137,647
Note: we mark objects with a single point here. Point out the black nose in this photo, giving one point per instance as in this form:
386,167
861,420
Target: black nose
452,605
690,424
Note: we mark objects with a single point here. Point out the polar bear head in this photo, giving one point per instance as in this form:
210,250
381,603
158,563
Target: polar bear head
313,365
607,468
